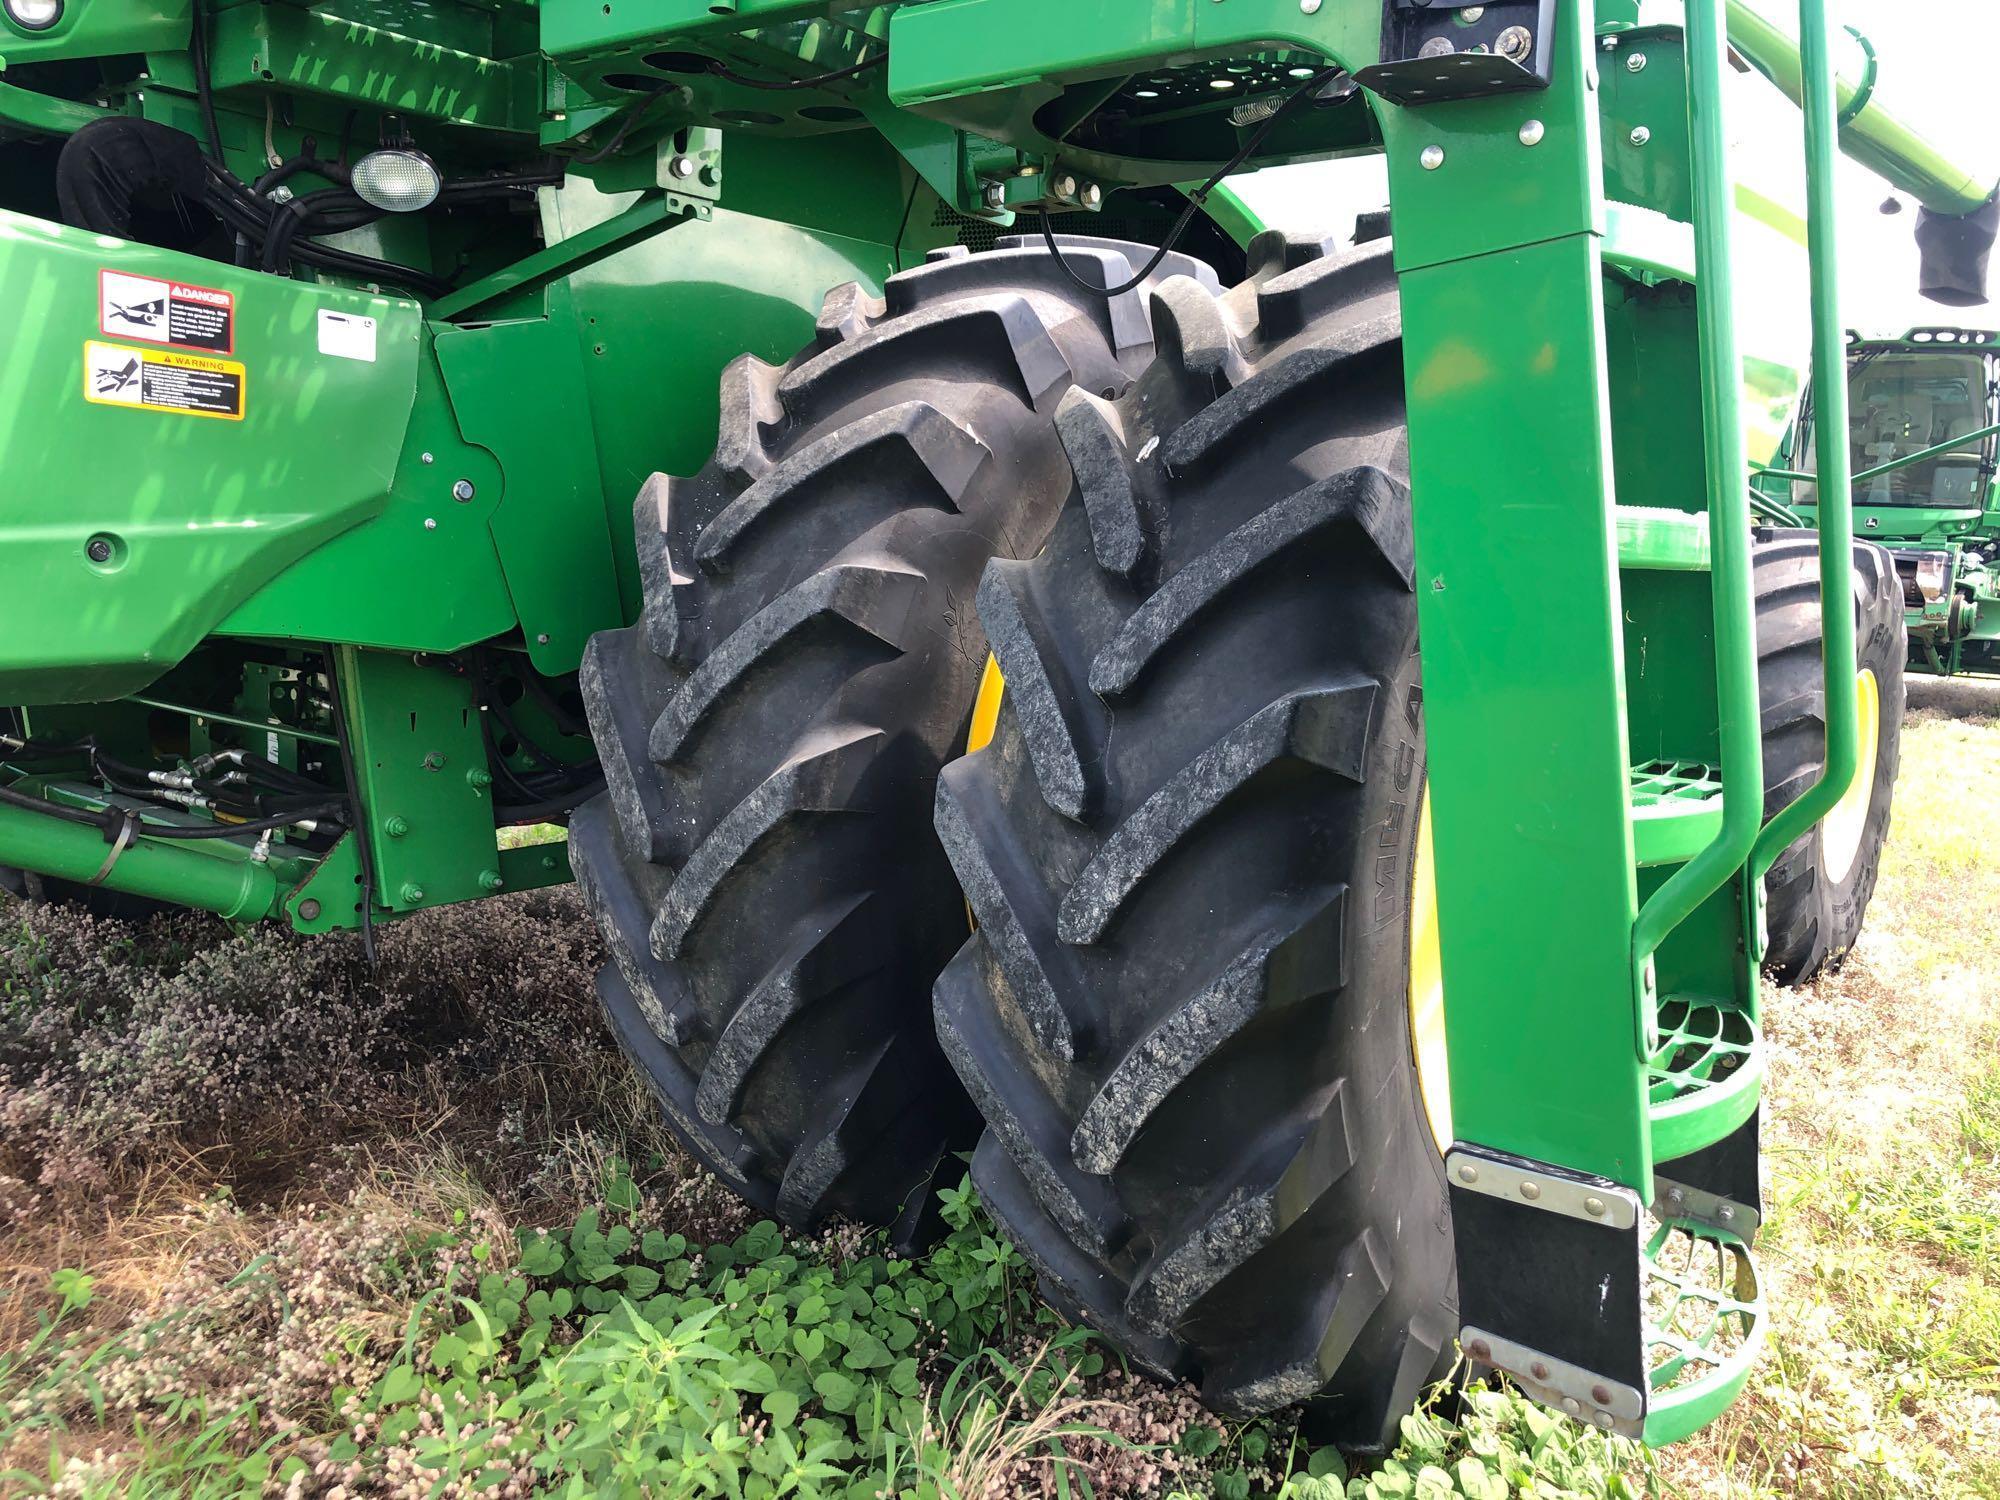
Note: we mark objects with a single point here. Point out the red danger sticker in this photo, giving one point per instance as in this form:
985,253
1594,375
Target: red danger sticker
166,312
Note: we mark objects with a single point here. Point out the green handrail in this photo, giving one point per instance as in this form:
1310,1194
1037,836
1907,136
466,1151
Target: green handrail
1936,450
1836,530
1740,718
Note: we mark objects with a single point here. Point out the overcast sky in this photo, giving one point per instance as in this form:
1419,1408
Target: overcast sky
1937,61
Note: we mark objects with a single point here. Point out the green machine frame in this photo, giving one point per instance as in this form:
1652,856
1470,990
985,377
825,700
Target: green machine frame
1945,544
1573,247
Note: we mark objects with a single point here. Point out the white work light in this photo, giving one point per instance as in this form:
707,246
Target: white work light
33,15
395,179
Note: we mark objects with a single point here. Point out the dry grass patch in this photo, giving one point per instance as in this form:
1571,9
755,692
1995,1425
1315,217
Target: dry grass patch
1882,1249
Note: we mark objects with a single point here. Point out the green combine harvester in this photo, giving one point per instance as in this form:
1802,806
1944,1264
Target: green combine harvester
1057,550
1924,446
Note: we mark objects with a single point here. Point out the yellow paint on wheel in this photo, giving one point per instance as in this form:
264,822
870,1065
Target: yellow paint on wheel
1427,1040
1840,835
986,707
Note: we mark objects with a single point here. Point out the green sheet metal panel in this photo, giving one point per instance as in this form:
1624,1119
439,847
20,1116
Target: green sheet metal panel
197,511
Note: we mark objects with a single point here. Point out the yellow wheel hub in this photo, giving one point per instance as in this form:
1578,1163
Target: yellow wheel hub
1840,835
1427,1044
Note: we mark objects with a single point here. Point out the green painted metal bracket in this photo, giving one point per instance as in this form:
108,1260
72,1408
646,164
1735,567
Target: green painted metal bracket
652,214
43,114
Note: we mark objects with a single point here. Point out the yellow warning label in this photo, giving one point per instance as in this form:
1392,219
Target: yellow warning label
194,385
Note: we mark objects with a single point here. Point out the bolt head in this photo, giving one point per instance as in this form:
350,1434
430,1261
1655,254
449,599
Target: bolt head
1573,1406
430,523
489,880
1468,1173
1437,46
430,458
1532,132
1093,196
1640,135
1432,158
1479,1349
1531,1191
99,550
1065,186
462,491
1472,14
682,167
412,894
996,195
542,639
1539,1370
1594,1207
308,911
1309,7
1601,1394
1636,63
1603,1419
1726,1214
1676,1197
1515,43
396,827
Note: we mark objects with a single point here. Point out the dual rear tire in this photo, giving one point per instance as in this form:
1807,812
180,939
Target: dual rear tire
1180,521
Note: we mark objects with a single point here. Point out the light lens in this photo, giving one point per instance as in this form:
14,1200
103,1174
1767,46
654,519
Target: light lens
398,181
1931,570
34,15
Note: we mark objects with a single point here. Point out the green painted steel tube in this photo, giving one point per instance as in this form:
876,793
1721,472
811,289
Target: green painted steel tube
1836,522
1735,617
1936,450
178,873
288,731
1876,137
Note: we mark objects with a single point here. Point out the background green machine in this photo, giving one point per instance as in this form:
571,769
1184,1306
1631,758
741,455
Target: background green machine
1924,411
315,510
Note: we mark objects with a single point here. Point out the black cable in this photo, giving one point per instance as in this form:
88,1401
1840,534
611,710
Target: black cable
204,87
1196,199
543,812
788,85
632,118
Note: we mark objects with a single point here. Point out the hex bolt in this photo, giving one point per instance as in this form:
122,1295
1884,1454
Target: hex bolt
412,894
1433,158
309,910
1636,63
396,828
1531,1191
996,195
542,639
1676,1197
433,760
1640,135
1468,1173
430,458
1515,43
98,550
1093,196
1532,132
489,880
479,778
462,491
430,523
1065,186
1594,1207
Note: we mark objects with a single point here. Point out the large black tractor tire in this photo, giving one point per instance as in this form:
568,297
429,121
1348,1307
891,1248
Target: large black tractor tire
1190,849
1818,891
762,864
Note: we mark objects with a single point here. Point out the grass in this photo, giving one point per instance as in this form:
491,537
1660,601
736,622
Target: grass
272,1223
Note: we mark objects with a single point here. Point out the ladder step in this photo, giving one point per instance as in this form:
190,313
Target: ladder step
1704,1076
1676,810
1705,1325
1668,541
